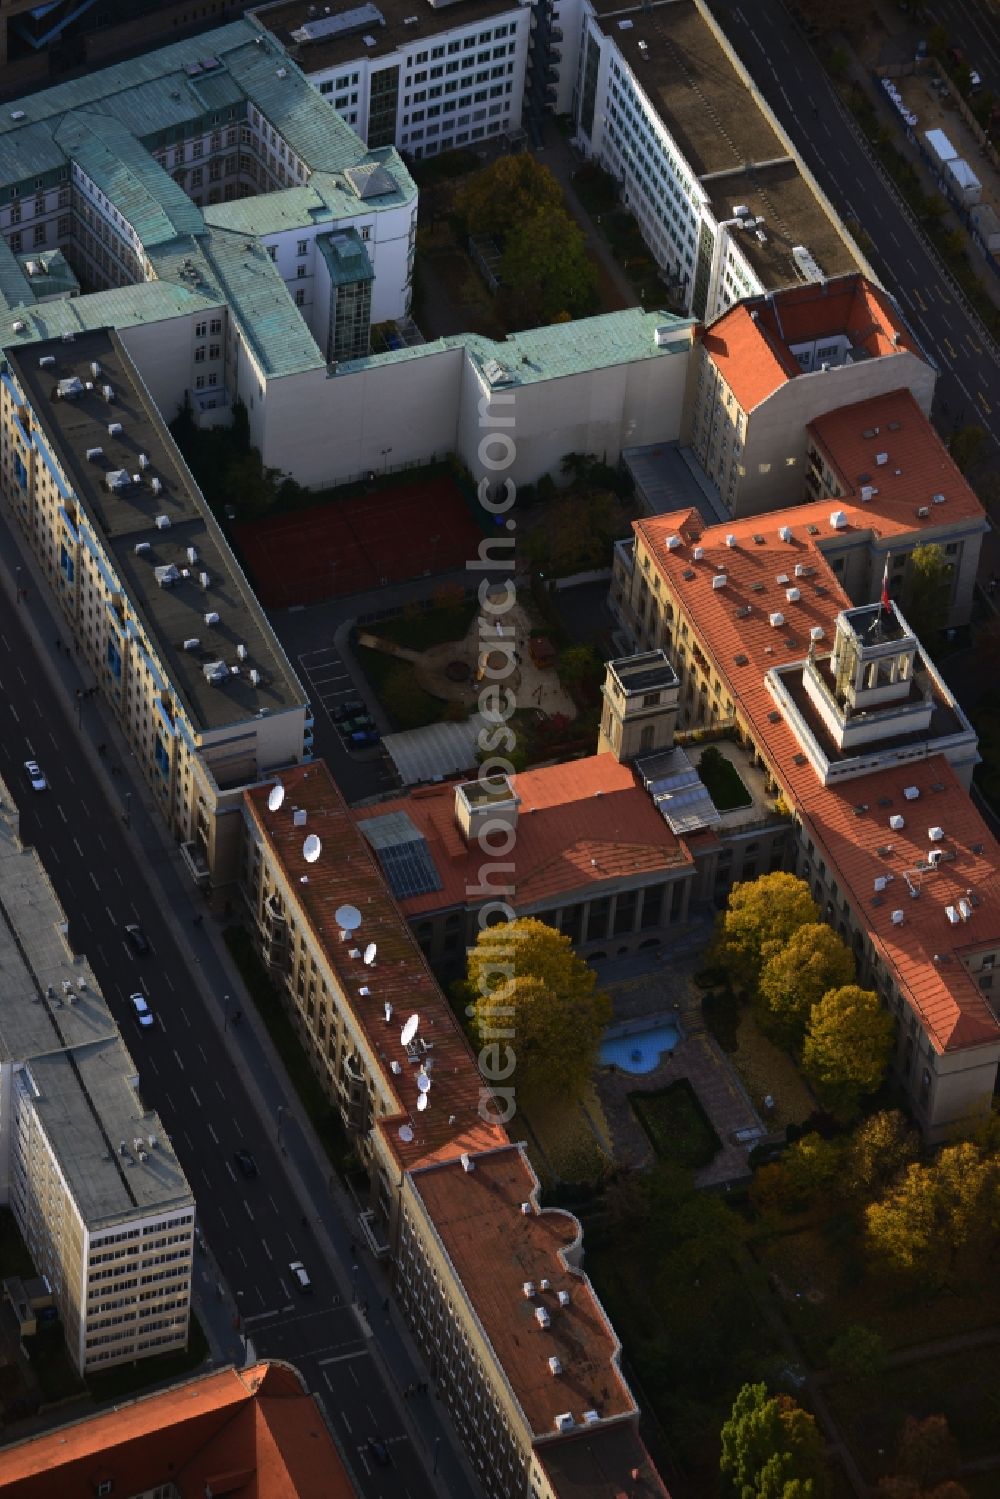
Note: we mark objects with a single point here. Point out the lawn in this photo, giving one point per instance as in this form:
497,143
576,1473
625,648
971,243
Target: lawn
418,629
677,1126
571,1142
823,1288
412,710
722,781
961,1387
767,1070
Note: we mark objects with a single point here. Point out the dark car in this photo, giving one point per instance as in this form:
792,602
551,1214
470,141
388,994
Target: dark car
379,1452
245,1161
356,724
137,937
365,736
347,710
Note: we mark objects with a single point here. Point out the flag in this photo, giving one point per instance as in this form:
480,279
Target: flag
885,600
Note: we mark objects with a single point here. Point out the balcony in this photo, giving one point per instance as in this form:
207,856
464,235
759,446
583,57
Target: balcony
197,865
373,1230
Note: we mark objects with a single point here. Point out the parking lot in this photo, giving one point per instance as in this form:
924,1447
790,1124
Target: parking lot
356,723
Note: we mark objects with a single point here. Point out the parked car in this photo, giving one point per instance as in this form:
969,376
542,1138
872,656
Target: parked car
35,775
245,1161
301,1277
143,1013
137,937
347,710
355,724
365,736
379,1452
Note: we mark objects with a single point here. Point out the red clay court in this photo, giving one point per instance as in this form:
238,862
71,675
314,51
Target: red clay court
352,545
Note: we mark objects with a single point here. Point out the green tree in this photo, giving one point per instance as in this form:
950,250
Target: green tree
927,1454
968,444
759,919
497,200
877,1154
545,268
813,961
859,1353
925,593
847,1047
771,1449
579,664
537,1004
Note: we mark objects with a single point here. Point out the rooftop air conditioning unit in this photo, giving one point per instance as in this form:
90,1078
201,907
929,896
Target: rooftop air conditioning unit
204,579
935,834
952,915
163,522
19,325
143,461
673,542
881,459
591,1418
468,1164
565,1422
911,793
776,620
281,72
897,822
47,362
741,211
542,1317
817,632
898,918
528,1287
564,1298
193,644
801,571
838,520
108,392
555,1367
698,553
935,856
730,539
255,676
95,368
17,114
867,491
938,499
719,581
881,881
781,578
192,554
792,595
923,511
964,909
526,1209
211,618
241,651
114,429
785,533
140,547
94,455
155,485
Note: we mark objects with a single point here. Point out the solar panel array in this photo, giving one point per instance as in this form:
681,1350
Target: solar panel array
403,854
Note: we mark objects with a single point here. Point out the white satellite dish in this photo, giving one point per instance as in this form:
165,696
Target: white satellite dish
422,1102
423,1082
370,952
275,797
348,918
388,1011
311,849
409,1030
406,1133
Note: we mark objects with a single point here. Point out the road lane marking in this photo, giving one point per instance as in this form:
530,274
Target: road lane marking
211,1131
241,1255
93,877
950,347
197,1100
62,814
264,1246
223,1217
14,711
76,845
21,675
232,1173
110,915
184,1015
168,981
339,1358
68,774
984,403
247,1206
178,1057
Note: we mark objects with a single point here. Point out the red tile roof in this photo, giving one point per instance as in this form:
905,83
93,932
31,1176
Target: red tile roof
579,824
606,1463
750,342
495,1248
347,872
951,1007
255,1433
918,466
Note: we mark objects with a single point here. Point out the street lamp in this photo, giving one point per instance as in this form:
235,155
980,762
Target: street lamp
384,453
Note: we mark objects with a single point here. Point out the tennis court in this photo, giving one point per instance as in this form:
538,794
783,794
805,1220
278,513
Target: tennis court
353,545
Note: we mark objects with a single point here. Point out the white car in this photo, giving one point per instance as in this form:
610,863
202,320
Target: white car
143,1013
301,1277
35,775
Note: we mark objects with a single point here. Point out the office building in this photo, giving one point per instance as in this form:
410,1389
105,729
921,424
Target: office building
452,1202
255,1430
97,1193
417,76
148,587
854,727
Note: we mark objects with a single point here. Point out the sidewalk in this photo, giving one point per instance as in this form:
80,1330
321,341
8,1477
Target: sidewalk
309,1170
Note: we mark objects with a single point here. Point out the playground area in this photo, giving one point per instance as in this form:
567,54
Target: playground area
359,543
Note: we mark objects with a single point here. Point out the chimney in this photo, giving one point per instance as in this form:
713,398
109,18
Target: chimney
484,809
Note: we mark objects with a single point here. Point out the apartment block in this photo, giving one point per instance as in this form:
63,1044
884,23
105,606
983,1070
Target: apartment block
420,77
452,1202
92,1180
724,203
259,1424
147,585
851,723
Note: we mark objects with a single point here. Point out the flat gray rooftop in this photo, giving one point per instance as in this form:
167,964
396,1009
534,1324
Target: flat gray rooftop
54,1021
792,216
329,51
126,518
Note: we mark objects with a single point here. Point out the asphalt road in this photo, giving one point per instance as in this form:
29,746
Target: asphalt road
792,80
972,28
253,1227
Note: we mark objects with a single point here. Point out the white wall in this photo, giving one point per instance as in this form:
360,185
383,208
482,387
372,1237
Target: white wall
164,355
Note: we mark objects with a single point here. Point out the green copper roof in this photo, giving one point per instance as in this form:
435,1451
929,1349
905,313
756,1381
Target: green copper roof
346,257
131,179
14,287
49,274
563,349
